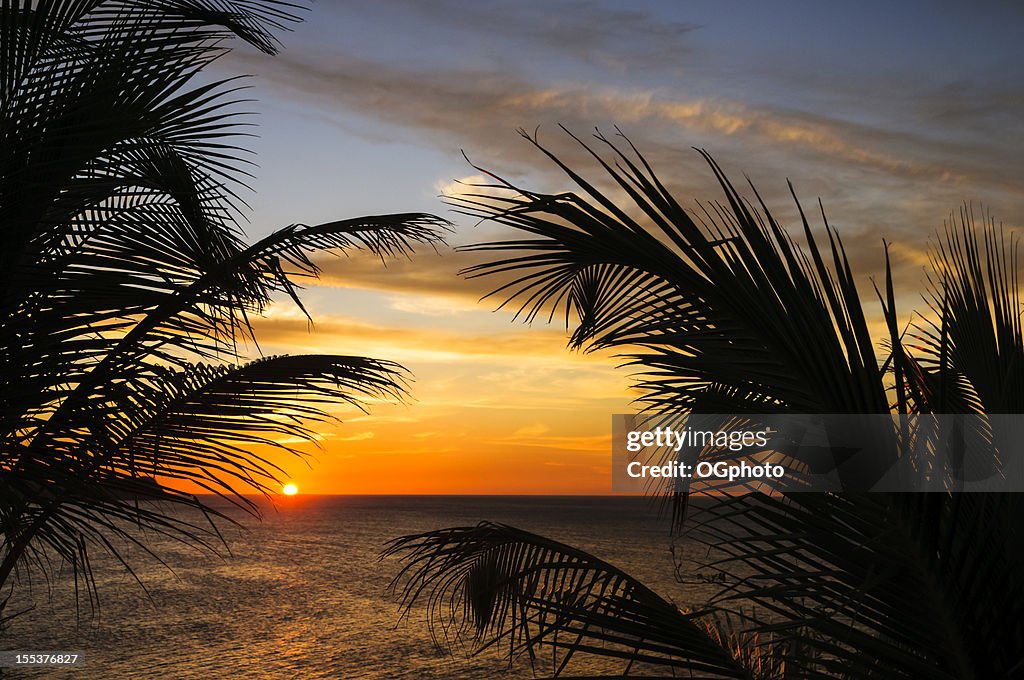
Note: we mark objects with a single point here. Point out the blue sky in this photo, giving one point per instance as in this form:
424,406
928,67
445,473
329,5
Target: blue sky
376,100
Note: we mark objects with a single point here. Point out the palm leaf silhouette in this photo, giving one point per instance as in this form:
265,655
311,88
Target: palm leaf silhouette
510,588
972,338
877,585
723,299
128,287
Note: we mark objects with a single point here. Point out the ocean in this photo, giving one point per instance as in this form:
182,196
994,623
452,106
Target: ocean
304,595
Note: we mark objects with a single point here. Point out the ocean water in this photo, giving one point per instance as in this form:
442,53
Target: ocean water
304,595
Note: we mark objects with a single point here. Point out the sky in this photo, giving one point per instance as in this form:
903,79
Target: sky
893,114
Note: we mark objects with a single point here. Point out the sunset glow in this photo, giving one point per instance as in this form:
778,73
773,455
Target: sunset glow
495,400
290,490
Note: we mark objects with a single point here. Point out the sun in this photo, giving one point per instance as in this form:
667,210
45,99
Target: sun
289,489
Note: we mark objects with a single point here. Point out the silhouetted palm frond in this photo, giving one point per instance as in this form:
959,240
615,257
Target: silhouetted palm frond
726,307
970,348
920,585
203,425
510,589
126,286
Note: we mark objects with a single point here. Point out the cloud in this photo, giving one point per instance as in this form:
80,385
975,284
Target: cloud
477,109
336,333
432,305
885,167
533,430
425,284
358,437
587,32
423,272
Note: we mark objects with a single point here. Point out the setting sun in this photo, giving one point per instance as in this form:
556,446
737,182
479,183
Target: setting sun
290,489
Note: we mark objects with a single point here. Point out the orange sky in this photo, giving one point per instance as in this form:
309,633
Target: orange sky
495,406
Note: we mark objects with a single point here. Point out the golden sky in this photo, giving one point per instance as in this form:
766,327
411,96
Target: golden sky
495,406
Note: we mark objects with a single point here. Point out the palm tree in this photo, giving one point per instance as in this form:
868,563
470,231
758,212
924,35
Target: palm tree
128,289
720,311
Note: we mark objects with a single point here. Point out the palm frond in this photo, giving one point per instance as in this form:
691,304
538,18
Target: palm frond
970,347
203,426
508,588
720,297
199,312
126,286
877,585
717,310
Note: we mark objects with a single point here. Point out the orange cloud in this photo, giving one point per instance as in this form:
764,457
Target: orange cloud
336,333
